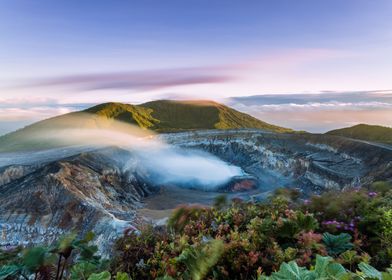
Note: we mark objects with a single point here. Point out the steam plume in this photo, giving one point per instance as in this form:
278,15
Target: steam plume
163,163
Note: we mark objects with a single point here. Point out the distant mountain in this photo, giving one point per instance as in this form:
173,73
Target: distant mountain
159,116
167,116
366,132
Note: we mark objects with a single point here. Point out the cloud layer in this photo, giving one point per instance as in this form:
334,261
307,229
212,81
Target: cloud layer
319,112
327,99
138,80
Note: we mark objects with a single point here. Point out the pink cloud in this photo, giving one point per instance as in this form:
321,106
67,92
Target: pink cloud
139,80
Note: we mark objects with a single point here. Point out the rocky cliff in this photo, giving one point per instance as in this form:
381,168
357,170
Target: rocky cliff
310,162
89,191
52,193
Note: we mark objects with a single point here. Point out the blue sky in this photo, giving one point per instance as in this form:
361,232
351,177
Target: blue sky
56,56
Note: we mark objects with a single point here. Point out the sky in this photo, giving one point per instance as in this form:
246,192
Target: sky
307,64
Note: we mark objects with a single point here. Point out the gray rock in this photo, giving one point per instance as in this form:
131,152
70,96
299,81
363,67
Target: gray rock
91,190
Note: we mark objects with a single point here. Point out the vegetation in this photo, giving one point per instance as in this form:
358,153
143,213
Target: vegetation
160,116
345,235
176,115
366,132
69,258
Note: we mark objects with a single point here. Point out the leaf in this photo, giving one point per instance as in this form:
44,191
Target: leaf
337,244
349,256
82,270
322,264
288,229
122,276
336,271
291,271
8,270
306,222
386,276
66,244
105,275
369,271
87,252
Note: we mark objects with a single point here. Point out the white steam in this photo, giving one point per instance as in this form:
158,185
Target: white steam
160,162
171,165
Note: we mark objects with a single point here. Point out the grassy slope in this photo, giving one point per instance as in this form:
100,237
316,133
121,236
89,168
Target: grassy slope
132,114
167,116
366,132
174,115
160,116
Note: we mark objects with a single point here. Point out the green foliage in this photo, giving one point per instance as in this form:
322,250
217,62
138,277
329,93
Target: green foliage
201,259
293,225
265,235
337,244
182,115
282,238
161,116
122,276
9,256
306,222
366,132
181,216
34,257
290,271
325,268
360,213
9,271
82,270
69,258
369,271
105,275
386,232
381,187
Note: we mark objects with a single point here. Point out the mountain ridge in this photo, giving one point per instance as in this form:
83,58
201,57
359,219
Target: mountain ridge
365,132
174,115
159,116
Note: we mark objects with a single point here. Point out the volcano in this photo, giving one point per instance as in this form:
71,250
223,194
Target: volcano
47,190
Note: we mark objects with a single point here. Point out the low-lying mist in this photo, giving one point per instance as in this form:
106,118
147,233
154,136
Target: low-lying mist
159,161
189,168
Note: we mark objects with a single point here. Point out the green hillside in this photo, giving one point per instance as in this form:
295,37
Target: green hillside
366,132
175,115
167,116
159,116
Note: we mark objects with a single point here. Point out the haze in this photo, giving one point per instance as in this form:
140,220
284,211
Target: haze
162,163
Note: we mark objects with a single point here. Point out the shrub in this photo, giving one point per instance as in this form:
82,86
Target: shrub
332,236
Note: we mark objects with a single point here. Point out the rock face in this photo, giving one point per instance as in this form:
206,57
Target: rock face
310,162
40,200
86,192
